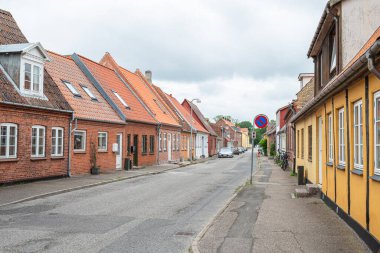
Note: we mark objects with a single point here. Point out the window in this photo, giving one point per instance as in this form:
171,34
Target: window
159,142
332,52
164,146
89,92
310,142
128,144
144,144
341,144
72,89
79,140
8,140
298,144
174,142
358,135
377,132
102,141
57,141
121,99
32,78
302,143
151,144
178,142
330,139
38,141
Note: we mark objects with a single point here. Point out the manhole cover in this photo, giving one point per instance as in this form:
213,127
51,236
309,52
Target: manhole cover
185,233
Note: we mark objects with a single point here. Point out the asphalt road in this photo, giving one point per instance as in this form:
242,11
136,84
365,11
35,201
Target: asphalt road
158,213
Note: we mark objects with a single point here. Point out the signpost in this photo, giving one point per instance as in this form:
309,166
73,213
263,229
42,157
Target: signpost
261,121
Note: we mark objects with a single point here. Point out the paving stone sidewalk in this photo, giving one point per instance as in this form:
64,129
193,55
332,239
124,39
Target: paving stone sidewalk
27,191
263,217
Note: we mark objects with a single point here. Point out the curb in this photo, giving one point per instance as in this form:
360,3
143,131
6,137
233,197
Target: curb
95,184
194,245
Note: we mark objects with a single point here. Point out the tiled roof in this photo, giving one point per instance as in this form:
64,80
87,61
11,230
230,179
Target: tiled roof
10,33
110,82
201,117
186,114
64,68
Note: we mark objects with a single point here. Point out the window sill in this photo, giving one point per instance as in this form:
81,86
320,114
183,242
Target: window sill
151,153
79,152
5,160
376,178
341,167
358,172
57,157
38,158
102,151
144,154
329,164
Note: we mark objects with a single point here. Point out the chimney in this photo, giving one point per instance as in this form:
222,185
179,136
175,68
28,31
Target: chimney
148,75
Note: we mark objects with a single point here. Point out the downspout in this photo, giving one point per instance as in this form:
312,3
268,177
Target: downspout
159,143
371,65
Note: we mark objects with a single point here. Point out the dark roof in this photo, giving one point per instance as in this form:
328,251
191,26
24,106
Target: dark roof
202,118
10,33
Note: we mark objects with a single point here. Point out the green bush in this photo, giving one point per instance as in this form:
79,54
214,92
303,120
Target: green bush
263,145
272,151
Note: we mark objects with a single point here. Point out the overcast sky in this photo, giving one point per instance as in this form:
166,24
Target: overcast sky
240,57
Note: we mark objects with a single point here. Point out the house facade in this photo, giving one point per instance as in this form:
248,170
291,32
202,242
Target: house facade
281,129
337,132
232,134
34,116
245,137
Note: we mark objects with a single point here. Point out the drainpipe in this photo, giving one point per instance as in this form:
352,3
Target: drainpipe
159,143
371,65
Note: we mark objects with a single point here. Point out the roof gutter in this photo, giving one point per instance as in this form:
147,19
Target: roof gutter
346,76
36,107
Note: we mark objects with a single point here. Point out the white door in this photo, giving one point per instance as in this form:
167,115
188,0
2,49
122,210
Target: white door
203,146
320,149
119,153
169,147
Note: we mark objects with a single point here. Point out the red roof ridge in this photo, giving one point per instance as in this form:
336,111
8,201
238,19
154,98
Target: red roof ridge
97,63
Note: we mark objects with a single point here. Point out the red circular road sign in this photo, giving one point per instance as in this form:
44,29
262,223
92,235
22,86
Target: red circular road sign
261,121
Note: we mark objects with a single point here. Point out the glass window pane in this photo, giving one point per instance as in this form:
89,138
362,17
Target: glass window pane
36,78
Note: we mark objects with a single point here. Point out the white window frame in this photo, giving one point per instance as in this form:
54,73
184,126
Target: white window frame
358,135
164,144
84,141
174,139
54,148
333,56
71,88
330,138
159,141
376,144
341,141
89,92
38,144
106,142
7,138
121,99
40,92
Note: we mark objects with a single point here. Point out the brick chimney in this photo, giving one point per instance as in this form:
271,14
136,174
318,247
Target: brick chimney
148,75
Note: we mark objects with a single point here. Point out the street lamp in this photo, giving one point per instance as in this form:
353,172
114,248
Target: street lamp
191,127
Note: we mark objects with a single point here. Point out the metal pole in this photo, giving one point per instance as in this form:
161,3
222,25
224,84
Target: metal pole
253,140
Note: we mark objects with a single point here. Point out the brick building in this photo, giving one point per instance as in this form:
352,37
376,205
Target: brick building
231,134
34,116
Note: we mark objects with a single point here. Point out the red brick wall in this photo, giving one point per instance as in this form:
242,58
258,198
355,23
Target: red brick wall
24,168
212,145
106,160
176,154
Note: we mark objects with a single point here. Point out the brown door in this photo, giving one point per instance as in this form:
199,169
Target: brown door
135,150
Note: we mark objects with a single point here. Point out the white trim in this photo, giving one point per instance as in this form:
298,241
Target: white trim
106,148
376,145
84,140
33,64
330,139
89,92
358,134
37,139
54,149
121,99
7,140
71,88
341,141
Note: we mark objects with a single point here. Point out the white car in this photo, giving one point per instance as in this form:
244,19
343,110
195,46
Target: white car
226,152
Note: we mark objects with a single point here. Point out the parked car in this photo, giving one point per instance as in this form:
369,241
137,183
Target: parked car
236,151
225,152
241,150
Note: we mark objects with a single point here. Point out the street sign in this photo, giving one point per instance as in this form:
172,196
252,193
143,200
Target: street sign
261,121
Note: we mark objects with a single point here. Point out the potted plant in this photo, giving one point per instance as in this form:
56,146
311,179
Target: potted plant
95,170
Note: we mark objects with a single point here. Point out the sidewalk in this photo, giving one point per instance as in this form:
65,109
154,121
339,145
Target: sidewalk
263,217
33,190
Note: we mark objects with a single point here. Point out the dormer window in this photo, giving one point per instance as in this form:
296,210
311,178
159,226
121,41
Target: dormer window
32,79
332,52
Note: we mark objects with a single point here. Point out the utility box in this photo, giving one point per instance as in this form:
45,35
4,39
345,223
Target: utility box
115,147
301,175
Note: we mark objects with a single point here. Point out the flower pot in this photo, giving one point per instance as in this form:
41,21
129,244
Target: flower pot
95,171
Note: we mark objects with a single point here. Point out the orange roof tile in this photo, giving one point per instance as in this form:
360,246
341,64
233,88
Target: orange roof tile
186,114
64,68
110,82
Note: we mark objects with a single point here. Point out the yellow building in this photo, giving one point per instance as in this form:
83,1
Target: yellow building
245,137
338,131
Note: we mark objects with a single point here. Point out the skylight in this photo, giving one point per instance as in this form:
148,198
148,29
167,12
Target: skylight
89,92
121,99
71,88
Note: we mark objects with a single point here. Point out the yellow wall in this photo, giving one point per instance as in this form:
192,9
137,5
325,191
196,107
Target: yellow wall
245,140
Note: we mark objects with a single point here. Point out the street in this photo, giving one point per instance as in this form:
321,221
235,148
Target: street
157,213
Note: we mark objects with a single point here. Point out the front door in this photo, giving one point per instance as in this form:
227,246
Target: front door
169,147
320,149
119,153
135,150
203,146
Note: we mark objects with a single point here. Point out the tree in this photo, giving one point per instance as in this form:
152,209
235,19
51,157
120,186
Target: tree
259,135
226,117
263,145
245,124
